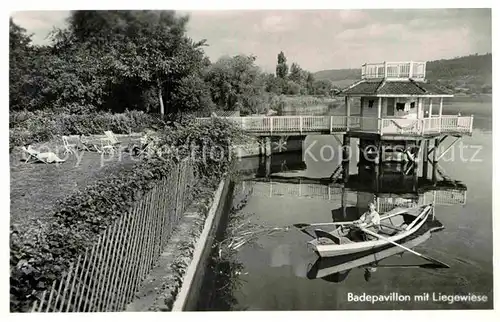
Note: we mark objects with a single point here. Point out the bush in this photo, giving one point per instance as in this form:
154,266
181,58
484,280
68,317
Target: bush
293,88
34,127
42,253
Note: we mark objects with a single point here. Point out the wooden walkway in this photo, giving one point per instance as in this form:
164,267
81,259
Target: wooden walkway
307,125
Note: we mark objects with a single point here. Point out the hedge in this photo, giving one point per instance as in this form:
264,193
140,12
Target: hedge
43,254
34,127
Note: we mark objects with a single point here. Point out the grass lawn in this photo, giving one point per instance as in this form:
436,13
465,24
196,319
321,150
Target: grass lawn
37,188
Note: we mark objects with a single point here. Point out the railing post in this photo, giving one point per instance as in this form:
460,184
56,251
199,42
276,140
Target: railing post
331,124
385,69
300,122
271,118
379,114
410,73
470,120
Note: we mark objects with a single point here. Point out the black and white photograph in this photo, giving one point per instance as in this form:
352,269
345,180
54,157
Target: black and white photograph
174,160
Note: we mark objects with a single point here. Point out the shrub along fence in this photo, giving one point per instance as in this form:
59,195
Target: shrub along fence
95,250
109,272
33,127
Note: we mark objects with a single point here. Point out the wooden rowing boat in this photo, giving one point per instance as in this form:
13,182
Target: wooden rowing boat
326,268
394,227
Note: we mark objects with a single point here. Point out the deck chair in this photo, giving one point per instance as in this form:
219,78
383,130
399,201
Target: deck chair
84,144
68,148
147,143
109,143
45,157
113,140
32,155
106,147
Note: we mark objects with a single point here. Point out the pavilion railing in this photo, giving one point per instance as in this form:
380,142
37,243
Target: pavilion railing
394,70
338,123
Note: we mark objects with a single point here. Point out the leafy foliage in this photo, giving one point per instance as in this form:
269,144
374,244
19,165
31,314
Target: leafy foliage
469,74
20,63
297,82
296,74
40,126
281,67
111,61
322,87
236,83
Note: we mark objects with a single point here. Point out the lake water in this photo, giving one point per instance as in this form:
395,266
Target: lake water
275,268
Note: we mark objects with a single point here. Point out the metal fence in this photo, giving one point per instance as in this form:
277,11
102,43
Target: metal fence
108,274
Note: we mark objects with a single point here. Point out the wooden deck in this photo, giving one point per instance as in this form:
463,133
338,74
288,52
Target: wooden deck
309,125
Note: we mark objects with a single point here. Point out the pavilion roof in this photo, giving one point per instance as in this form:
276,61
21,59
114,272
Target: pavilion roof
382,87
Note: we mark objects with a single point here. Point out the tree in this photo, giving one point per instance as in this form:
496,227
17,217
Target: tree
296,74
236,82
111,60
138,52
322,87
310,83
274,84
20,54
282,67
293,88
74,81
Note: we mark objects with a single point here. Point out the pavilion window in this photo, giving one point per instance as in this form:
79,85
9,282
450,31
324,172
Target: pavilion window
400,106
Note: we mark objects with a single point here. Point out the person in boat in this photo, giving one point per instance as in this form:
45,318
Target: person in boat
370,218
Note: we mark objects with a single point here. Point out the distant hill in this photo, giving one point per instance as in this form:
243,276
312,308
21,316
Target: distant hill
339,77
468,74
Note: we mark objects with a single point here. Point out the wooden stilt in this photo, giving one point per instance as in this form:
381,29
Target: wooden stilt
344,202
268,166
268,146
434,160
415,166
346,156
377,178
380,157
425,163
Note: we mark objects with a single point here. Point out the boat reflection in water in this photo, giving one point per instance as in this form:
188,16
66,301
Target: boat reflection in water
336,269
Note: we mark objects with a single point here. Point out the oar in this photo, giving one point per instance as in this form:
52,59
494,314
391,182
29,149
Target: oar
303,225
430,259
426,265
386,215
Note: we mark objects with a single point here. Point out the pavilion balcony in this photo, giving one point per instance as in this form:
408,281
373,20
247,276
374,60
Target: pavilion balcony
389,126
394,70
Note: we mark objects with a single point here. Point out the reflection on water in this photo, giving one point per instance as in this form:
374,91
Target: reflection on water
281,273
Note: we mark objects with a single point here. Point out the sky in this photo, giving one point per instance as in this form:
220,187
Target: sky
322,39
